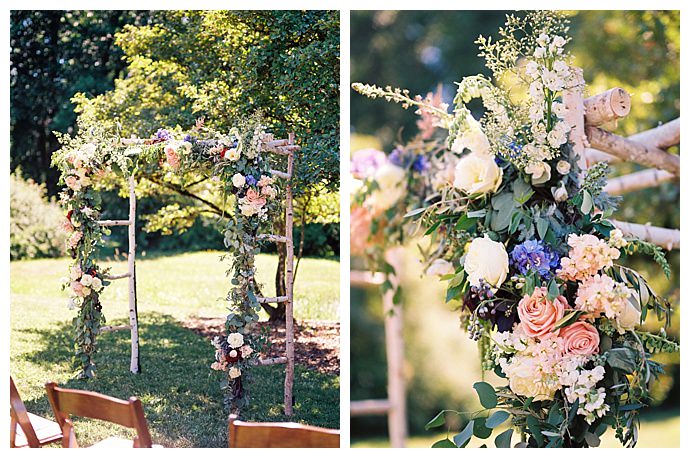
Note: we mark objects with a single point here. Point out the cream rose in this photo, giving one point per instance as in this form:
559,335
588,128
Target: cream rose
487,260
232,154
540,172
472,138
96,284
235,340
440,267
234,372
86,280
390,179
580,338
538,315
238,180
477,174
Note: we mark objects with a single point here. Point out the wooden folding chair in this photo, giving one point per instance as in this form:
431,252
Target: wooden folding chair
243,434
130,414
27,429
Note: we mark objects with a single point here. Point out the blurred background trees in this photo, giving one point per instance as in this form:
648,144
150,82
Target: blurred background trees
636,50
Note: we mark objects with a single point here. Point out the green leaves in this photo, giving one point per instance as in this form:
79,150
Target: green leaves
503,439
587,203
504,206
568,319
463,437
622,358
497,418
438,420
487,395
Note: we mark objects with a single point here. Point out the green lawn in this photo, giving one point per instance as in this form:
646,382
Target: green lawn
180,393
660,430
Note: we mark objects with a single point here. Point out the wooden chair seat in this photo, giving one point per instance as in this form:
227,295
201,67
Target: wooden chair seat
130,414
27,429
47,431
243,434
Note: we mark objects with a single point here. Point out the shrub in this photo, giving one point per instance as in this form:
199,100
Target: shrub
34,221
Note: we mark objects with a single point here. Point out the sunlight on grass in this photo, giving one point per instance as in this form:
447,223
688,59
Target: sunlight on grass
180,392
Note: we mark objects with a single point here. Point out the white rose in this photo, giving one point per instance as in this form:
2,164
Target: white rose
487,260
74,273
233,353
232,154
629,317
440,267
234,372
477,174
472,138
540,172
556,138
238,180
563,167
86,280
235,340
390,179
97,284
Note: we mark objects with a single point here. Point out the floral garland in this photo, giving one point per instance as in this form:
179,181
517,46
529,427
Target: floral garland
521,235
235,162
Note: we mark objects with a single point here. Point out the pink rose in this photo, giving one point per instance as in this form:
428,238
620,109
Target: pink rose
580,338
538,315
67,226
72,182
254,199
172,157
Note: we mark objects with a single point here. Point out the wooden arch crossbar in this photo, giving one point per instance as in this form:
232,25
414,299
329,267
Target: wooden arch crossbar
594,144
284,147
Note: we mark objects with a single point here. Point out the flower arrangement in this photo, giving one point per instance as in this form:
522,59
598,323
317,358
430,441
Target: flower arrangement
232,160
522,238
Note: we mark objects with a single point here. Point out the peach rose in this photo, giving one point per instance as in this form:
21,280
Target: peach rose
580,338
538,315
172,157
254,199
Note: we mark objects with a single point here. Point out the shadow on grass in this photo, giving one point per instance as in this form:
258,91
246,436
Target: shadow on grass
180,393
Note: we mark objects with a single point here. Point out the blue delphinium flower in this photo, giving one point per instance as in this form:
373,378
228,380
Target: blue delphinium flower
420,163
251,181
534,255
162,134
189,138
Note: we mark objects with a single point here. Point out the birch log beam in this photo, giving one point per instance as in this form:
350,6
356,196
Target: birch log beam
638,180
575,114
666,238
606,107
662,137
629,150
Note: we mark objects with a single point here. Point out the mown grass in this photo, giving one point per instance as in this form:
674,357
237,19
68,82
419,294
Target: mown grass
180,393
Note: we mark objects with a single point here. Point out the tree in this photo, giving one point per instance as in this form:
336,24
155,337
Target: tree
54,54
224,66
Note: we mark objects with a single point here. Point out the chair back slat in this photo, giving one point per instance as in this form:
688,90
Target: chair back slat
130,414
280,435
19,415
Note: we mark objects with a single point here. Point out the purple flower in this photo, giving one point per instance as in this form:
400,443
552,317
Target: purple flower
162,135
366,162
189,138
534,255
420,164
397,157
251,181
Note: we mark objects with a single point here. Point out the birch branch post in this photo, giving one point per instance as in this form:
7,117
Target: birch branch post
638,180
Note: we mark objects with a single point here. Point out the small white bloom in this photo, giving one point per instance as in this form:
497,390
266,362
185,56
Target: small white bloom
616,239
540,172
561,68
97,284
86,280
543,39
234,372
560,194
238,180
532,69
556,138
539,53
233,353
552,80
235,340
563,167
558,109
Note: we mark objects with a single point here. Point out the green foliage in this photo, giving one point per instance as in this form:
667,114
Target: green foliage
34,221
53,55
223,65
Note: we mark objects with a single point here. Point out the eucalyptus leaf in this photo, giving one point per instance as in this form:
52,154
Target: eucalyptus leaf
487,395
497,418
503,439
463,437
